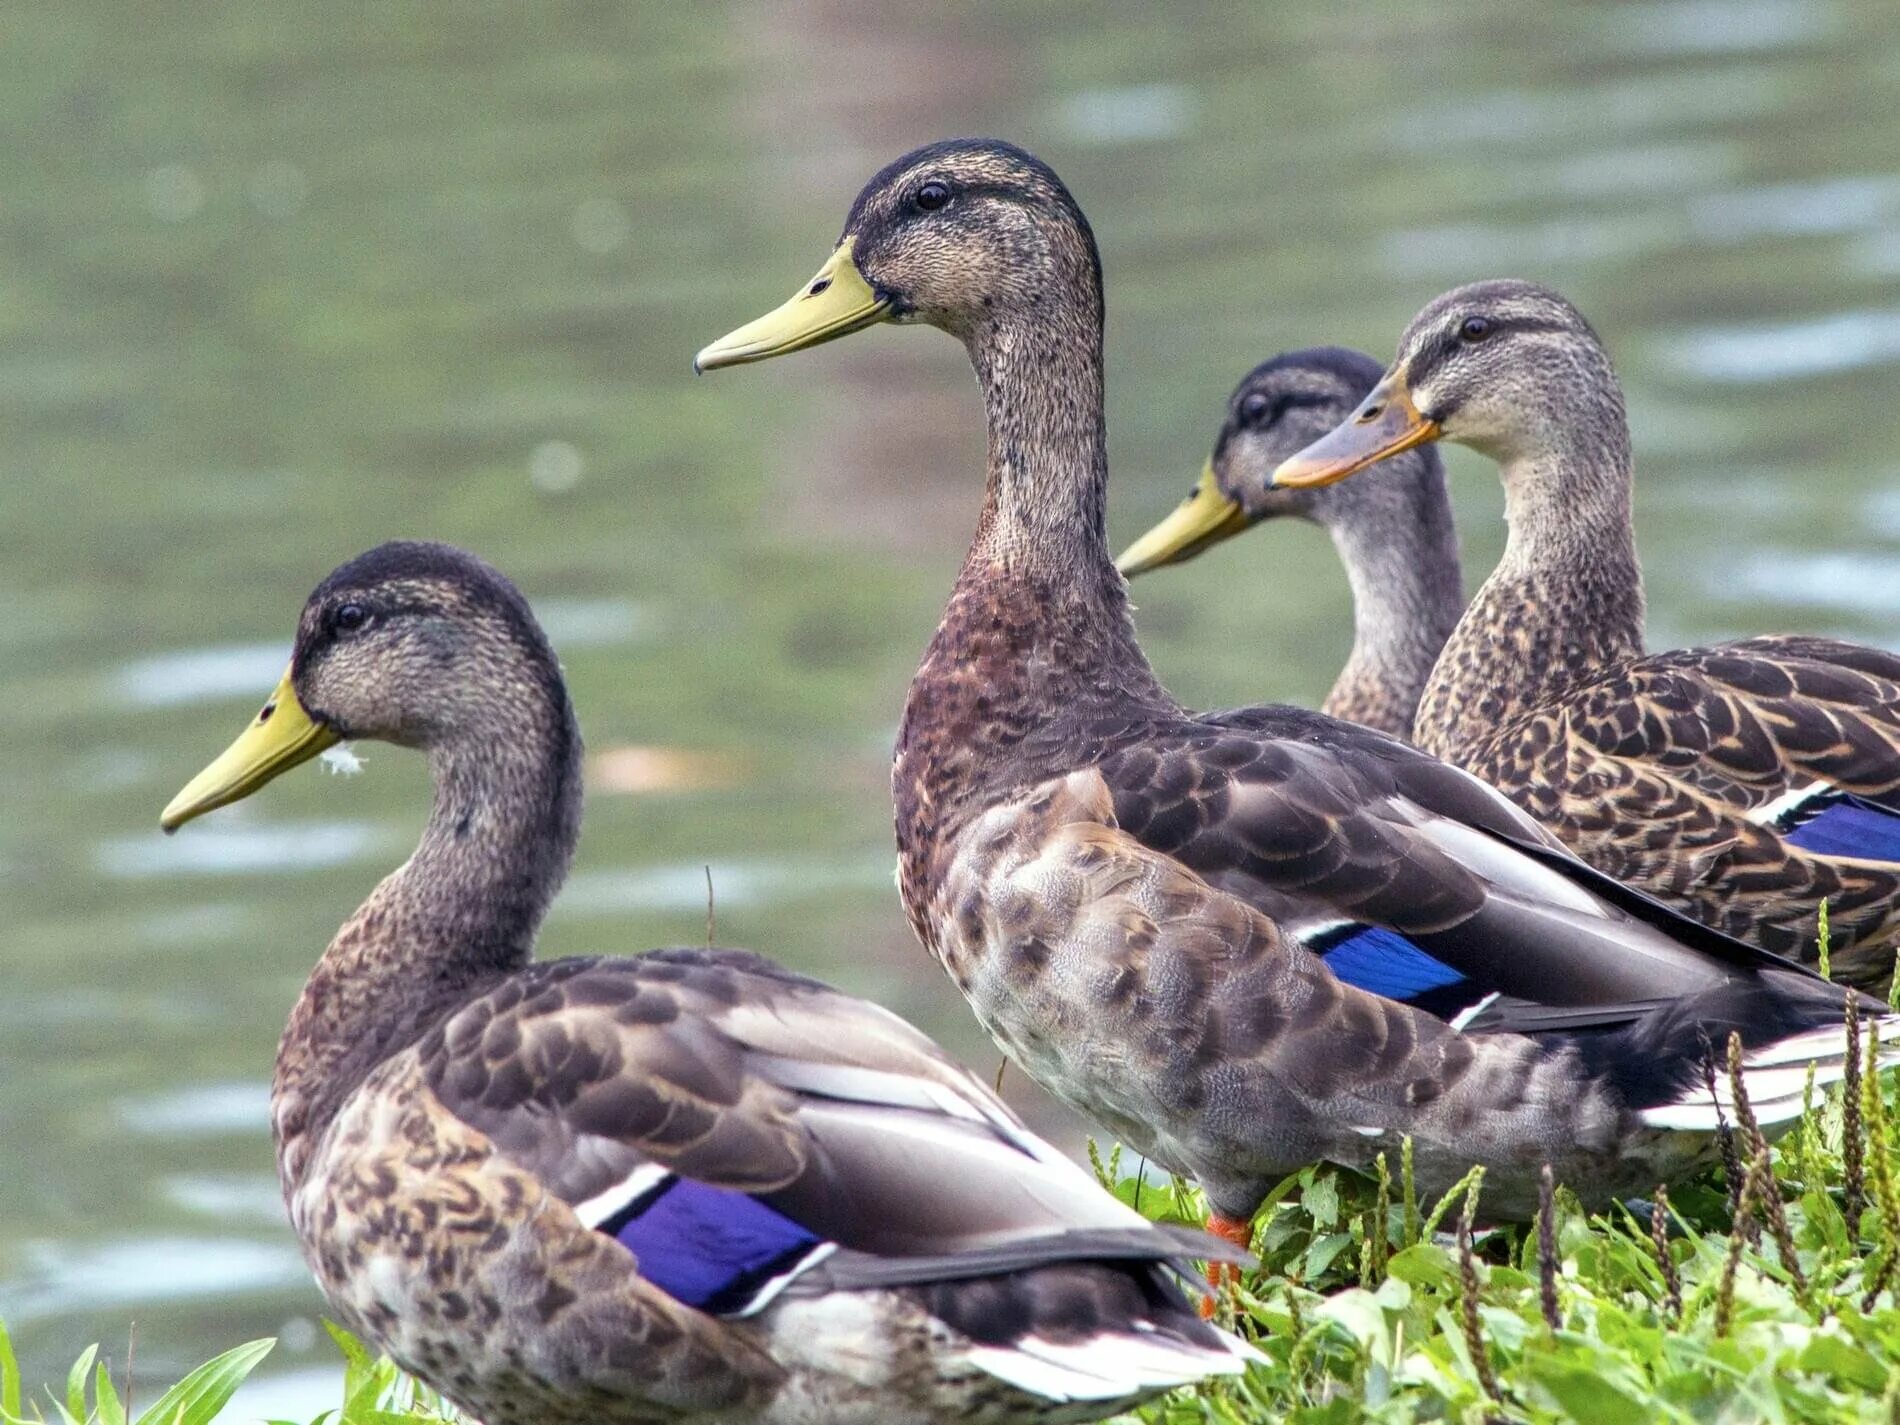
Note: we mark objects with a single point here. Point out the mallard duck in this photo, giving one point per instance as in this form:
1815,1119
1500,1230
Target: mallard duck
684,1185
1748,783
1393,529
1242,941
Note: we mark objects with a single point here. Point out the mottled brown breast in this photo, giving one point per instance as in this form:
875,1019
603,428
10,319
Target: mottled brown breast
472,1276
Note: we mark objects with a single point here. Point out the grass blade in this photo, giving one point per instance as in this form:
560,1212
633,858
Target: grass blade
198,1398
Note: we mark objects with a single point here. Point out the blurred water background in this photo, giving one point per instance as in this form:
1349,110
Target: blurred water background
278,282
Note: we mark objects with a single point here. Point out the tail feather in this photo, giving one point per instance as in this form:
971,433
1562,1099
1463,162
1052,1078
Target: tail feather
1114,1366
1081,1331
1775,1078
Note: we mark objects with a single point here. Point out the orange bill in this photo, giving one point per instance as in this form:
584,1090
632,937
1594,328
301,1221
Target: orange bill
1386,423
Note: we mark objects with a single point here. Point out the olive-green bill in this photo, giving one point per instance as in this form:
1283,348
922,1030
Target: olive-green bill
835,303
1206,517
281,736
1386,423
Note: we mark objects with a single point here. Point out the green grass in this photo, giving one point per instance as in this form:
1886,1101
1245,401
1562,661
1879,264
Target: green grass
1763,1291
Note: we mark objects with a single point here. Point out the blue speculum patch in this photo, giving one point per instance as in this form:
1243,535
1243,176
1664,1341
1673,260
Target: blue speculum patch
711,1248
1384,962
1850,827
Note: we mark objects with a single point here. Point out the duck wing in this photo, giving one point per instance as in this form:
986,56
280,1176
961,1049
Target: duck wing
1409,876
737,1125
1751,781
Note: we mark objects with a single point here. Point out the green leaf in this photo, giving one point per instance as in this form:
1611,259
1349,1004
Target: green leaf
9,1377
75,1404
198,1398
1830,1355
356,1355
1340,1410
1425,1265
1587,1397
105,1398
1321,1200
1322,1253
1358,1313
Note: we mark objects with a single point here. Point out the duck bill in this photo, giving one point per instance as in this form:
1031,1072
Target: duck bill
835,303
1201,521
1386,423
279,738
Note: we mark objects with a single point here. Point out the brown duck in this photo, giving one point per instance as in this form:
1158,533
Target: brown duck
687,1185
1242,941
1393,528
1748,783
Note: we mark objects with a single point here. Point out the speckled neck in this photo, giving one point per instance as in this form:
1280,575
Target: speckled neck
1038,624
459,914
1407,597
1565,601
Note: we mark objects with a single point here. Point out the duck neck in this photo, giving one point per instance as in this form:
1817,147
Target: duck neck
1407,596
461,913
1038,626
1044,516
1565,602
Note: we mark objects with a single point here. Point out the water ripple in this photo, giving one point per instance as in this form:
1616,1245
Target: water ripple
1686,27
594,623
682,887
247,1197
199,1110
1778,351
202,675
236,849
1854,580
124,1271
1868,202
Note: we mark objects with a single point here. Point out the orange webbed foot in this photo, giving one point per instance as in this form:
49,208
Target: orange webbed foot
1220,1274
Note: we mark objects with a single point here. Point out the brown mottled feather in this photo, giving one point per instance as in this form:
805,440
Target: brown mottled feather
1648,765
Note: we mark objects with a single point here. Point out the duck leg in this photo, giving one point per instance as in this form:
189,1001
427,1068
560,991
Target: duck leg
1239,1231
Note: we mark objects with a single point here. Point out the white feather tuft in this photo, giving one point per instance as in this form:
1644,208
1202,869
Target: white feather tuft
341,760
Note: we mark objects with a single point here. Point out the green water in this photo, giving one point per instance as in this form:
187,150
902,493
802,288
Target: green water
279,282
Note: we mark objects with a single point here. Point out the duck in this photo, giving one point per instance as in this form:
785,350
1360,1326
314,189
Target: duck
1754,785
1243,941
1393,531
684,1185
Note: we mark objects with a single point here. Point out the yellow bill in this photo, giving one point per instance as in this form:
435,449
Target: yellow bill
1198,523
835,303
282,736
1386,423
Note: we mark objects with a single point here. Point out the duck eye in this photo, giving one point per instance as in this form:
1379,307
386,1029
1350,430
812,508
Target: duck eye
932,196
1474,328
348,618
1252,407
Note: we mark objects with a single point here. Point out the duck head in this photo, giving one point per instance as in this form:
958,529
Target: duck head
411,643
1507,367
1278,409
963,235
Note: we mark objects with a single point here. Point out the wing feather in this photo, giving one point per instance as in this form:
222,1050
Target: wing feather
604,1076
